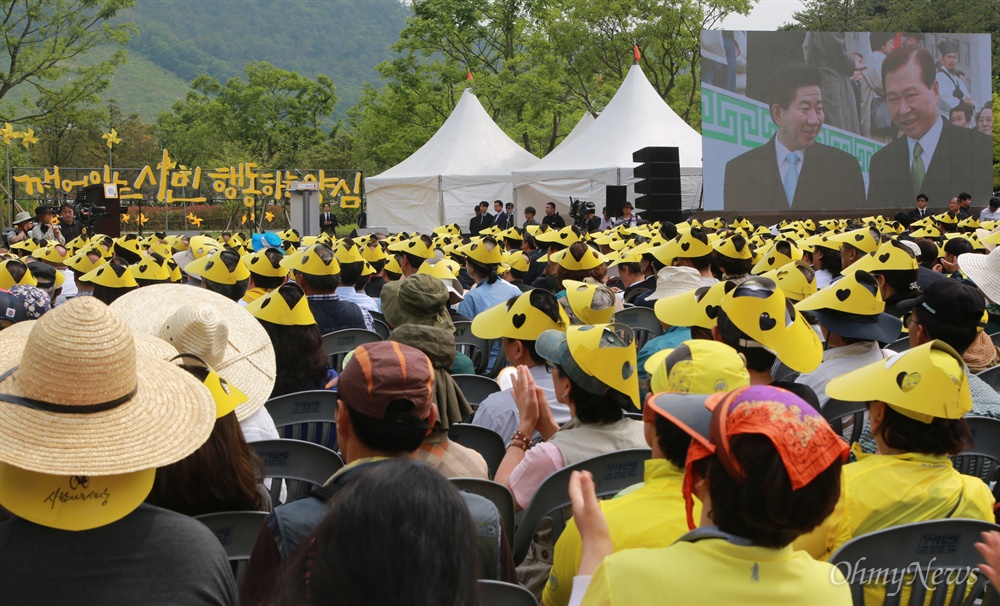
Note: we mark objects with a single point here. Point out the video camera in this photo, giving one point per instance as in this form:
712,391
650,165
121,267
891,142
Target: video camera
579,209
87,213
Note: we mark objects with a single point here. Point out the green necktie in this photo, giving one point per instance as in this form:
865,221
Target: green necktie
917,168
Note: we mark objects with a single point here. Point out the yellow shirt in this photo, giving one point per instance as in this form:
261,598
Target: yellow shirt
881,491
715,571
651,516
254,293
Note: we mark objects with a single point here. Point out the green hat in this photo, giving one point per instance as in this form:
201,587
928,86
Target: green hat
419,299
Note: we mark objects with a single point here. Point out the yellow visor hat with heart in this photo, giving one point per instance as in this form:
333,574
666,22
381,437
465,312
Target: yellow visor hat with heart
524,320
273,308
580,296
926,382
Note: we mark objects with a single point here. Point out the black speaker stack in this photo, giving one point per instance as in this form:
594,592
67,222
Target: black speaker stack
658,191
615,197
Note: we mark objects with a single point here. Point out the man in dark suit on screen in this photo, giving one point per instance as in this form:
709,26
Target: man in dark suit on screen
934,156
792,171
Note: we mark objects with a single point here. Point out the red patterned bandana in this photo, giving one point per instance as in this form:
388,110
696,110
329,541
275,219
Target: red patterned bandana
804,440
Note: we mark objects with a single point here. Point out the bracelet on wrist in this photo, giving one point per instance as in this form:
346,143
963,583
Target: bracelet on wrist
518,443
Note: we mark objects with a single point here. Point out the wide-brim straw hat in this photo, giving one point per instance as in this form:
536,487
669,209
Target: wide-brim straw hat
141,411
211,326
984,271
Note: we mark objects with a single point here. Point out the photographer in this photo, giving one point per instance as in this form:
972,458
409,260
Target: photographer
43,229
628,218
583,215
68,225
22,223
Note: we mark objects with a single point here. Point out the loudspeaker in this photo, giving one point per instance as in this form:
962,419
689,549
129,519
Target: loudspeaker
615,197
660,183
111,223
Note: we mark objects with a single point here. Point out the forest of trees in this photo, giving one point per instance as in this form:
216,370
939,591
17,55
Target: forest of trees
345,84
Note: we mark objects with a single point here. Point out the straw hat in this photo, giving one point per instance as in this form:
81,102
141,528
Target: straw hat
984,271
138,413
207,324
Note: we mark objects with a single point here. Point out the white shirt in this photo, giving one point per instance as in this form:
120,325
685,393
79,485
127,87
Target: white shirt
499,411
823,278
782,154
988,215
347,293
838,361
928,143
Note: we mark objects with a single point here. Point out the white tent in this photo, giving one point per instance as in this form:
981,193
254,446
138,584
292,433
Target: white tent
468,159
636,117
585,121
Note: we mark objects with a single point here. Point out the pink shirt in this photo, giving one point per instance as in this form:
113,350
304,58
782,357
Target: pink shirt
539,463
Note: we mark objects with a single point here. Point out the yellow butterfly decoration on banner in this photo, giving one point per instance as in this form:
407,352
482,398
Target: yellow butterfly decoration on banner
28,138
111,138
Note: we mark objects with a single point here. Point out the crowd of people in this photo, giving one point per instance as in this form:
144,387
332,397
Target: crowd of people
134,373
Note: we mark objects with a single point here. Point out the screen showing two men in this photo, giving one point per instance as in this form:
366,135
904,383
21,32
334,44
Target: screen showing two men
801,121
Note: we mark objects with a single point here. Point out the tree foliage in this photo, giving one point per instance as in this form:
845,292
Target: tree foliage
269,117
44,40
537,66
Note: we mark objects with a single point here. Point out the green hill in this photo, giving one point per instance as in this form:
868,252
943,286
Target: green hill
343,39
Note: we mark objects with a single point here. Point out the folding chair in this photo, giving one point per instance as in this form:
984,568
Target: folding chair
476,388
306,415
633,415
992,377
377,315
300,464
837,412
500,363
995,337
643,321
613,472
498,494
900,345
237,531
484,441
469,344
381,328
498,593
983,459
340,342
941,550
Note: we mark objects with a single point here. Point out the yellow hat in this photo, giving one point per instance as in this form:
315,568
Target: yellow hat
452,229
716,223
72,502
492,230
487,252
852,294
111,276
259,264
595,357
374,254
50,254
741,222
27,245
307,261
890,256
202,246
414,246
946,218
760,310
926,382
130,243
580,296
820,240
565,236
697,366
775,258
612,240
273,308
688,246
664,253
290,235
149,269
511,233
728,248
629,255
926,232
81,261
7,280
524,320
862,239
516,260
699,307
77,242
226,395
213,268
796,279
588,260
392,266
348,251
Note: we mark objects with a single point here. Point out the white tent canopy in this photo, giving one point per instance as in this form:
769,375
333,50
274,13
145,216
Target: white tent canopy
636,117
468,159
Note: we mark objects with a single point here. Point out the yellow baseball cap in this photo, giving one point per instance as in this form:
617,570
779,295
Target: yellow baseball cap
580,296
697,366
273,307
595,357
525,319
760,310
927,382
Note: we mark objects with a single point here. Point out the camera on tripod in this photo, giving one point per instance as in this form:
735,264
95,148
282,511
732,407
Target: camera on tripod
579,209
87,213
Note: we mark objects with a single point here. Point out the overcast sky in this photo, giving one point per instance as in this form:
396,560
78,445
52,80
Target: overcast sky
767,15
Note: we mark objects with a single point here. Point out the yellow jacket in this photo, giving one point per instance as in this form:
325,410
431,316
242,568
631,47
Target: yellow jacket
651,516
881,491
